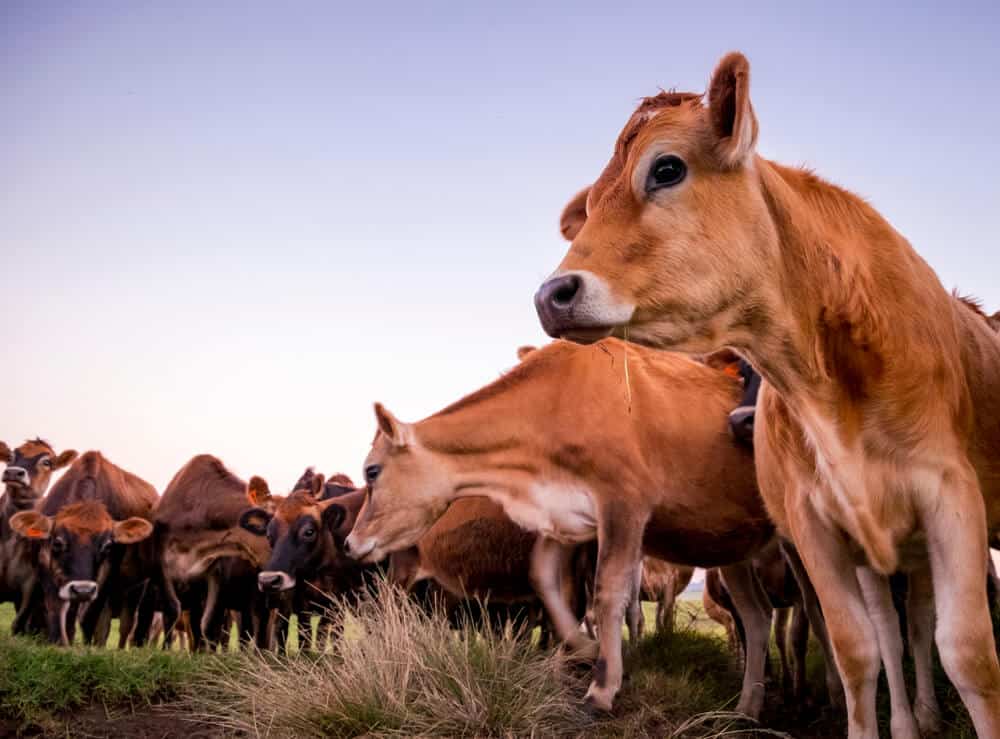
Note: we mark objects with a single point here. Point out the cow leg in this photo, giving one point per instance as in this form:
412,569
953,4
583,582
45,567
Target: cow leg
810,603
549,560
211,616
171,611
799,638
633,613
964,632
920,620
831,569
754,611
882,612
145,609
619,556
780,616
29,598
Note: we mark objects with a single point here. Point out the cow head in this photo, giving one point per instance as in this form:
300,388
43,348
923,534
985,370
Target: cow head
409,488
29,470
300,530
76,546
677,240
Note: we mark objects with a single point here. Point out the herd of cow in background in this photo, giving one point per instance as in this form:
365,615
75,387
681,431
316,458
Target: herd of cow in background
601,469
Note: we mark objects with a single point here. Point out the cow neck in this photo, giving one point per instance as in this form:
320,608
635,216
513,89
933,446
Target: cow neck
852,298
491,443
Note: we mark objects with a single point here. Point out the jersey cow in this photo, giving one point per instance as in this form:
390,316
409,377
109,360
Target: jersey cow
208,562
878,423
645,464
25,478
87,529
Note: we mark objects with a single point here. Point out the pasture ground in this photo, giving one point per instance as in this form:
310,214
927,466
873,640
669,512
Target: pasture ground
399,673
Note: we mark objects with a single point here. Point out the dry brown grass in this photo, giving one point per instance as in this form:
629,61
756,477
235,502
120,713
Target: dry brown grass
400,672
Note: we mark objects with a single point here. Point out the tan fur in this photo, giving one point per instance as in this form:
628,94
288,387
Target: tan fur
662,582
883,406
646,465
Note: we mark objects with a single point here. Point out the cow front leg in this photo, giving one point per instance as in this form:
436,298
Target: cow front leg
920,621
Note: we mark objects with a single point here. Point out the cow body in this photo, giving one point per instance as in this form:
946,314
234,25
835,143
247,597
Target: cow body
645,464
208,562
25,479
87,533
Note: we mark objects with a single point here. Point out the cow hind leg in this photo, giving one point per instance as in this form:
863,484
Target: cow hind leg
754,611
549,560
781,620
798,637
633,613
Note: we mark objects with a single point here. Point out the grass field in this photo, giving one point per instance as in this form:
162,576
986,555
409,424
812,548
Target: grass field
398,673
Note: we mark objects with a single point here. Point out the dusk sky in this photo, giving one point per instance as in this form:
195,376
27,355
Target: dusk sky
229,227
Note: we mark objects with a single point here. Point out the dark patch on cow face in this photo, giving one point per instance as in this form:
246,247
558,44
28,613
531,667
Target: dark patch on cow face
29,470
77,562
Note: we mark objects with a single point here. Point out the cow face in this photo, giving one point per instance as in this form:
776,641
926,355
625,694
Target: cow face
29,470
677,242
300,532
76,546
409,488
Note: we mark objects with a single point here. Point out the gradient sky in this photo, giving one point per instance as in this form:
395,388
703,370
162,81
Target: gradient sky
229,229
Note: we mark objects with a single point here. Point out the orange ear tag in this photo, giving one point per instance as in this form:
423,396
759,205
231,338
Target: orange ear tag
34,533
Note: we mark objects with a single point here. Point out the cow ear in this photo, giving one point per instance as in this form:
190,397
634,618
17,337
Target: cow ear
333,516
255,520
524,351
395,430
131,530
733,121
257,490
6,455
316,485
31,525
64,459
574,215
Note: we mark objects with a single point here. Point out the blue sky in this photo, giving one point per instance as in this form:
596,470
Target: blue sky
231,226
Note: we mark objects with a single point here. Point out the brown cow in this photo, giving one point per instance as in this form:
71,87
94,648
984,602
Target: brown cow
208,562
645,463
26,478
662,583
307,573
878,423
87,527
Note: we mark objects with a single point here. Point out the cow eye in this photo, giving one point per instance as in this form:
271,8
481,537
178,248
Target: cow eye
58,545
372,472
308,533
46,463
105,547
666,171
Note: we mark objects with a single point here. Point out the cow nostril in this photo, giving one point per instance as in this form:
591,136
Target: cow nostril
347,546
566,291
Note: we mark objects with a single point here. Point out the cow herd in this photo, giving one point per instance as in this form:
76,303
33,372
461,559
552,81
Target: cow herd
604,466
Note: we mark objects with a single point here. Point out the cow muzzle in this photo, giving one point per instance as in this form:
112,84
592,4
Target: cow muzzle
78,590
17,476
274,582
358,549
579,306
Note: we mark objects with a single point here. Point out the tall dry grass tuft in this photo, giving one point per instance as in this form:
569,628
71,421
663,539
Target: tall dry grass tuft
399,671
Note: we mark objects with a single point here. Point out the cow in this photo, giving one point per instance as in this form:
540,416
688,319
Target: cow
26,477
662,583
879,415
645,464
89,558
208,562
306,573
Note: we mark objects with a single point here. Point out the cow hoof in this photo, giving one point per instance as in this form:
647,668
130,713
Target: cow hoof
596,707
